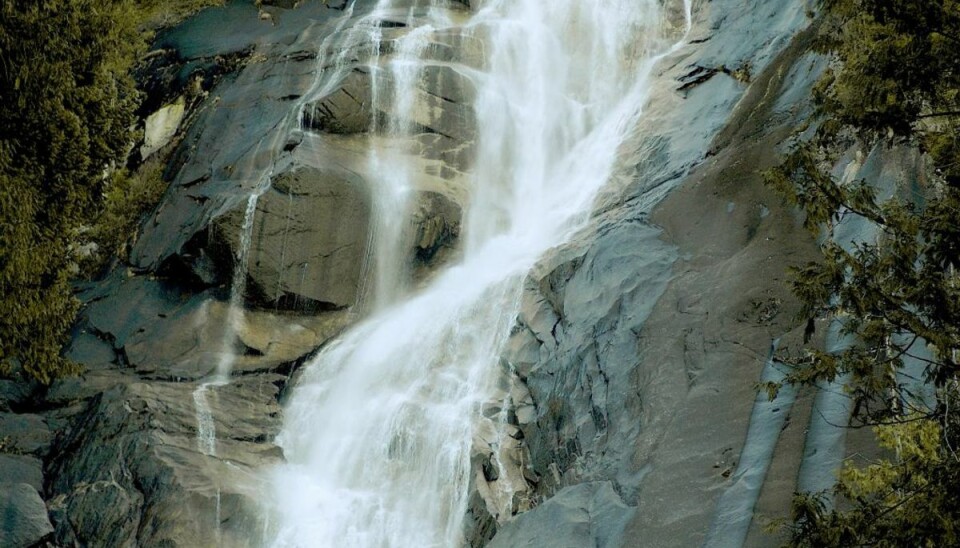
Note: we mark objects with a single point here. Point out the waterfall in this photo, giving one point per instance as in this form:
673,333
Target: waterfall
379,432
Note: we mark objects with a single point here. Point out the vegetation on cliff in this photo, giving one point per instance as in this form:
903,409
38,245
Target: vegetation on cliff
896,80
67,104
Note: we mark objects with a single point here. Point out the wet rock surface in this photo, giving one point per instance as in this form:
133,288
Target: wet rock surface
309,239
129,471
587,514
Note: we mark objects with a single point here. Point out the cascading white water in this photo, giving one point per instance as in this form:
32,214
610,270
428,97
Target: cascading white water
378,434
391,115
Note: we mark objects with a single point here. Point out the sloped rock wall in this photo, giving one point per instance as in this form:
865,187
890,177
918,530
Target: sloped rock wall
641,341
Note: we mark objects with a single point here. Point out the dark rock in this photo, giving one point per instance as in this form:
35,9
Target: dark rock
15,395
285,4
99,513
129,307
23,516
91,350
68,391
346,110
437,221
479,526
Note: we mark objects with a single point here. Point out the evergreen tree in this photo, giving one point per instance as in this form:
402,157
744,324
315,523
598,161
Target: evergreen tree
896,79
67,104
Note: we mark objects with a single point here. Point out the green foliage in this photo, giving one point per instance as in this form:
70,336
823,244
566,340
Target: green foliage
128,196
906,282
160,13
895,79
898,60
66,108
907,500
66,103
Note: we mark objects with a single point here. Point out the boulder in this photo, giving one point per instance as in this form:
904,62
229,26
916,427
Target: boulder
14,394
161,126
588,514
24,520
436,219
131,472
24,434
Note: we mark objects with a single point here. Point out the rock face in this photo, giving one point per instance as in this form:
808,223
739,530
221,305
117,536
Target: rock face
134,452
346,110
641,341
311,238
587,514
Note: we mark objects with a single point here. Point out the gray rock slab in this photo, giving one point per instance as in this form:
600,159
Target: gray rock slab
588,514
584,314
345,110
21,469
309,237
128,306
24,434
90,350
71,390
